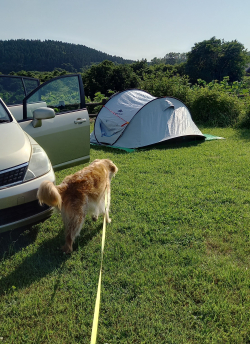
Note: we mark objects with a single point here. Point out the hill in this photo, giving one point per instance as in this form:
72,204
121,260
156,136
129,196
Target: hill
30,55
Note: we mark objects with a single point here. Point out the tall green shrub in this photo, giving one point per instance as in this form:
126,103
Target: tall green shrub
215,108
213,104
164,84
244,119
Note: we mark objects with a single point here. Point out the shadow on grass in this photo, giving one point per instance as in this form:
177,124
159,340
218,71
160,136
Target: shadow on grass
47,258
174,143
15,240
40,334
243,134
110,149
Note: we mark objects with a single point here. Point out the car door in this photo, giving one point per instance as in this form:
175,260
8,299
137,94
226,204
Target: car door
66,137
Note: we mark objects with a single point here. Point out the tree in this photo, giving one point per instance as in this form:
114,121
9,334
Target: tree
214,59
170,59
140,67
175,58
108,76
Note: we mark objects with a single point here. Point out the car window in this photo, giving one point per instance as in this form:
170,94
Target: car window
4,117
30,84
62,95
12,90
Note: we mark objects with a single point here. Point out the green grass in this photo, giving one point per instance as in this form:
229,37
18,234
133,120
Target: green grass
176,261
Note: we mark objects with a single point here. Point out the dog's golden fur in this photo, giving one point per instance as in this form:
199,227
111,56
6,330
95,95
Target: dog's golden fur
79,194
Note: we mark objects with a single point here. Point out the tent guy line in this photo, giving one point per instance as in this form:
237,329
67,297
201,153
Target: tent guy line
117,116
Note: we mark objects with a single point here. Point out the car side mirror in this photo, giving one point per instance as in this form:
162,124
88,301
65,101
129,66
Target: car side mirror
42,113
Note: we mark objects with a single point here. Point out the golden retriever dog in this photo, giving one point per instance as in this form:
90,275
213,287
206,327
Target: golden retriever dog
78,195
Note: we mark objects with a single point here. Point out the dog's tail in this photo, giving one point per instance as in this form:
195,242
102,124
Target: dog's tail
48,194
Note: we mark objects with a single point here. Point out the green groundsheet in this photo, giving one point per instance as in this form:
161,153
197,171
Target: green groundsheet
209,137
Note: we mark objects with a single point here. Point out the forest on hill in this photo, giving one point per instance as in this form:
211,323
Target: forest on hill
30,55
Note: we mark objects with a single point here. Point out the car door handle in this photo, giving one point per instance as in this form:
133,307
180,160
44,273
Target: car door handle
80,120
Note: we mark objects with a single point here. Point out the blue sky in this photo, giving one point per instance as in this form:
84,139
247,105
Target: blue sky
132,29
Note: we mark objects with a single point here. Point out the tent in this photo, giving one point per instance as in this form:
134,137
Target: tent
134,118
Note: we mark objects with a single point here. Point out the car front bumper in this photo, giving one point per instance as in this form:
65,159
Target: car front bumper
19,206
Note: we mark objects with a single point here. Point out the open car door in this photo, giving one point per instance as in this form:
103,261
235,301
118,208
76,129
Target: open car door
66,136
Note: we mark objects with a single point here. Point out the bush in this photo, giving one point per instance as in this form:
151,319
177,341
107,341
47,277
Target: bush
213,104
164,84
244,119
108,76
215,108
92,109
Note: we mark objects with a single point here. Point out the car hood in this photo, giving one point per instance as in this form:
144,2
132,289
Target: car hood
15,145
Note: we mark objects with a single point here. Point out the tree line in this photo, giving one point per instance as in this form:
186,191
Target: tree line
29,55
212,81
208,60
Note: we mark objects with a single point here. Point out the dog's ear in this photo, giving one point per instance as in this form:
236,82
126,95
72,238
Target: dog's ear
112,167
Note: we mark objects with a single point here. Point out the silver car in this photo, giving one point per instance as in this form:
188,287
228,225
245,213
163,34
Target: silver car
50,128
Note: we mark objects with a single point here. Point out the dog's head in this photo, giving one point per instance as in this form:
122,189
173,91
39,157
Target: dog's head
112,168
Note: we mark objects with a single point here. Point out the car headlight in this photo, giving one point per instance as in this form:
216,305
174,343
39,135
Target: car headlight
39,163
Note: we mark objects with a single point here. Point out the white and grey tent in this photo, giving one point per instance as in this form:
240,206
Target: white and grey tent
134,118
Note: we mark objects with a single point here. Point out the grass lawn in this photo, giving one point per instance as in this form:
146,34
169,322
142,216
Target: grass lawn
176,261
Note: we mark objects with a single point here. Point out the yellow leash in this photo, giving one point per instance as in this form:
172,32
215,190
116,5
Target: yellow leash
98,296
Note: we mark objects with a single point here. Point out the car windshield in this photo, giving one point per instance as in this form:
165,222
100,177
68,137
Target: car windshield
4,116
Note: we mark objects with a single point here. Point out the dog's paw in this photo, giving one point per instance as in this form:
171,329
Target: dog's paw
94,218
109,220
66,249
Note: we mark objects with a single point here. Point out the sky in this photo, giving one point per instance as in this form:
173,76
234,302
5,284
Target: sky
132,29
